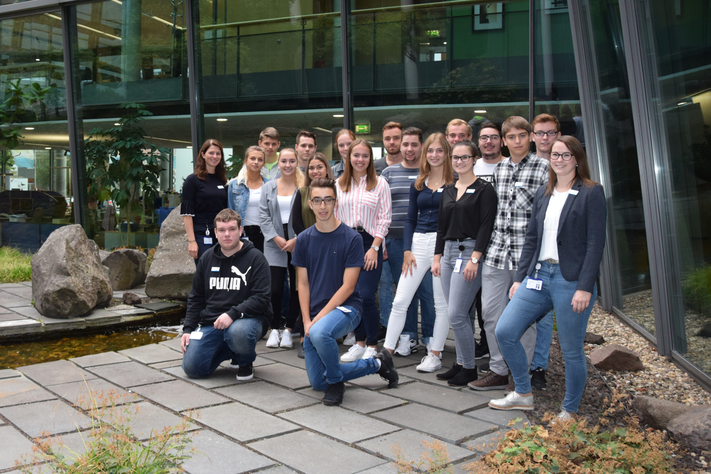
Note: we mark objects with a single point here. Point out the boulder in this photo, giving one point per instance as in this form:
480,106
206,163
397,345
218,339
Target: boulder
131,298
658,413
68,279
693,428
705,330
596,339
127,268
172,270
616,358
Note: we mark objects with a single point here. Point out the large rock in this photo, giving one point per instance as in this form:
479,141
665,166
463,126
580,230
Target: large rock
172,270
616,358
693,428
592,338
658,413
127,268
68,279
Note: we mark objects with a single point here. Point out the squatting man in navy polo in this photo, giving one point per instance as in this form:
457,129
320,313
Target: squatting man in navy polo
229,307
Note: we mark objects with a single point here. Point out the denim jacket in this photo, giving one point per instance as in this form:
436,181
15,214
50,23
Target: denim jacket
238,196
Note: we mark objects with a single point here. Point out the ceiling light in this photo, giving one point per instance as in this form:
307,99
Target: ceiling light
222,120
48,148
337,115
480,111
189,147
117,124
29,128
37,59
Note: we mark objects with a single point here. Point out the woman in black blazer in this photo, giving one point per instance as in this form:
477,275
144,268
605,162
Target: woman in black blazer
559,264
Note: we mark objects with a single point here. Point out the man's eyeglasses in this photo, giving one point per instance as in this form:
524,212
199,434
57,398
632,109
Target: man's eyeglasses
550,133
328,200
563,156
493,138
462,158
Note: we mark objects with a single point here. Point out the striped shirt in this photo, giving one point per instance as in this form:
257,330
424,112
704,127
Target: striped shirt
370,209
399,179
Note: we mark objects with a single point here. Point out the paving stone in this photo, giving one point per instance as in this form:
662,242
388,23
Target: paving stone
10,316
288,357
500,417
445,425
431,378
179,396
31,312
18,326
5,286
361,399
9,374
56,372
105,358
284,375
440,397
262,348
130,374
11,301
243,423
387,468
21,290
152,353
21,390
339,423
374,382
215,454
167,365
144,418
266,397
14,446
70,445
93,393
101,317
411,445
279,470
484,444
51,417
313,453
221,377
173,344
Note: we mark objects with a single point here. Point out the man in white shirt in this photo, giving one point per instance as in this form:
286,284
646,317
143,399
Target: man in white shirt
490,147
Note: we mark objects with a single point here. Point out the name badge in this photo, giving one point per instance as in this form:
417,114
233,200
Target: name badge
343,308
534,284
440,190
208,241
215,269
197,335
470,191
519,184
458,265
220,187
412,177
574,192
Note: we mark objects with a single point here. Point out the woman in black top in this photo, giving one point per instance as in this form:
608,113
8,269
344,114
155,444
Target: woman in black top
204,195
465,222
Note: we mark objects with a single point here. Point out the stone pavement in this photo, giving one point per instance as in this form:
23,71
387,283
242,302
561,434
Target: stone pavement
18,317
273,424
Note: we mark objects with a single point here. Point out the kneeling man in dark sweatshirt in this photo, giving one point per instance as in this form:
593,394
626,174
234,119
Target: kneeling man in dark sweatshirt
229,307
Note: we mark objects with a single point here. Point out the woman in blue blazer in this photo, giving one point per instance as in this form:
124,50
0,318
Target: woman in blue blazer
559,264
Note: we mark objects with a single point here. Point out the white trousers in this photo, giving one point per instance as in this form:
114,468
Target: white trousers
423,246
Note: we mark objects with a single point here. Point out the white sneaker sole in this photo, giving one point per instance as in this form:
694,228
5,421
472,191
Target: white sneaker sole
248,377
511,407
428,370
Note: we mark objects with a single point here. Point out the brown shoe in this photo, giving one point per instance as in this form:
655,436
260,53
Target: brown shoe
511,387
492,381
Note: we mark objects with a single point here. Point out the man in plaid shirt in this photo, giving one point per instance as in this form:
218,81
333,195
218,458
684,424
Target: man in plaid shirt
516,180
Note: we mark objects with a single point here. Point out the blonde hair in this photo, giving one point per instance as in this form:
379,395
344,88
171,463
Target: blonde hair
298,175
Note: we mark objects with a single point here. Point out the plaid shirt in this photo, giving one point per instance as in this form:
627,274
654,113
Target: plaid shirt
515,185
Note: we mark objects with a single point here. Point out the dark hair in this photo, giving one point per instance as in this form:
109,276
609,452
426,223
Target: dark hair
425,168
200,166
582,170
345,179
227,215
390,125
323,183
322,158
489,125
413,131
469,144
307,134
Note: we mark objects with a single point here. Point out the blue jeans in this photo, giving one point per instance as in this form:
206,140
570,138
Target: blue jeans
424,295
321,350
544,334
524,309
367,286
204,355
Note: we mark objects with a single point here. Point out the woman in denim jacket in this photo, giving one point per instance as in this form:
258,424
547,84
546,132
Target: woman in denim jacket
244,195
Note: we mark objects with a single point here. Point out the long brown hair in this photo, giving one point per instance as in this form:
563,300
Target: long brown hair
425,167
200,166
582,170
345,180
322,158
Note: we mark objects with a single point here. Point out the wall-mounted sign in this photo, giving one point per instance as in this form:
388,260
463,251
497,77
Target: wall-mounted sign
362,128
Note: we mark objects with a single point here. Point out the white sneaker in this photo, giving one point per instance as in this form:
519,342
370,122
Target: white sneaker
513,401
273,340
350,339
430,363
286,339
369,353
404,346
562,416
353,354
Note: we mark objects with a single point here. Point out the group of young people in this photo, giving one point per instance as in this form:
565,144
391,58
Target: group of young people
459,228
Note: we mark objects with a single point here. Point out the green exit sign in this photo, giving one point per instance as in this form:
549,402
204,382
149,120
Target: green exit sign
433,33
362,128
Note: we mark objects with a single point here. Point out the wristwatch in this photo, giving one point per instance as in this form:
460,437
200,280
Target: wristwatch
475,260
375,247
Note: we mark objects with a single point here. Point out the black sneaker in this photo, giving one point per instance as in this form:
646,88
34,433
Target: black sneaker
538,379
463,377
300,351
448,375
387,369
245,372
234,364
381,333
481,351
334,394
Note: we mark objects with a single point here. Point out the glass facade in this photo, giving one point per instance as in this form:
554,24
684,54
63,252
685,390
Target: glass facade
638,73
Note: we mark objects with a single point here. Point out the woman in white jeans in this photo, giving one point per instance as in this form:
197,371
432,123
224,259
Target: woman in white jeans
419,239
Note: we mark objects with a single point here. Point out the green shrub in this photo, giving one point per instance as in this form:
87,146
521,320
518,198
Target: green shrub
14,265
696,288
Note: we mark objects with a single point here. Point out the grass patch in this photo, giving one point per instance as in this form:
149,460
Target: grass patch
14,265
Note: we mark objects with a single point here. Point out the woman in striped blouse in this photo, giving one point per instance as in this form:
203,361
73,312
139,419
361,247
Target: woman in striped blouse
364,204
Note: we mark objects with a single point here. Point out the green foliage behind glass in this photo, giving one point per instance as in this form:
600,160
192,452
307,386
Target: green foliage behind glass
696,288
